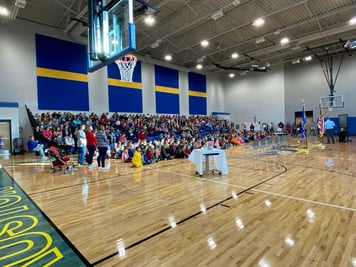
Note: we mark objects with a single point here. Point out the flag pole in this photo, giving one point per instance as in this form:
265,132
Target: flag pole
304,122
321,123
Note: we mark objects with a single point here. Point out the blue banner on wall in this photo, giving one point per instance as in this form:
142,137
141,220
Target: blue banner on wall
167,90
62,80
197,94
125,96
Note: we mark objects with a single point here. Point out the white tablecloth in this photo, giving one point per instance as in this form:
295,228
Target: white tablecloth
198,156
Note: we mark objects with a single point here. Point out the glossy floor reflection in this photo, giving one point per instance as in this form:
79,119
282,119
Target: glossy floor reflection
285,206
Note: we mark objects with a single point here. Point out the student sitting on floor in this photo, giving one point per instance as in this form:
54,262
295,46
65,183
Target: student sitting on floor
137,158
33,145
125,155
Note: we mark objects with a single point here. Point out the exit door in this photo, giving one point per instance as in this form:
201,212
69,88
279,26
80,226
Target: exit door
309,115
5,132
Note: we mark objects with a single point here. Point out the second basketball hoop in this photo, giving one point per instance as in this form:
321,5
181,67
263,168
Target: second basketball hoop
126,65
330,105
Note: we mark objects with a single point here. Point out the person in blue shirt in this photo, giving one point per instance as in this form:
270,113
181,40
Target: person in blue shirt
329,130
33,145
1,142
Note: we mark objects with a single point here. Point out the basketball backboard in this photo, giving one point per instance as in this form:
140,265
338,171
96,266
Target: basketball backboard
112,32
335,101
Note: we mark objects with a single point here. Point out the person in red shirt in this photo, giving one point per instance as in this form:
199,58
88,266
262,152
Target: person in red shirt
47,137
142,136
91,145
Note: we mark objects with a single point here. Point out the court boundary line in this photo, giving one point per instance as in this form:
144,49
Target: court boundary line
268,192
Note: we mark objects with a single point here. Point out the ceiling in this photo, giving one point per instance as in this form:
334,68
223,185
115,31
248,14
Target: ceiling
314,27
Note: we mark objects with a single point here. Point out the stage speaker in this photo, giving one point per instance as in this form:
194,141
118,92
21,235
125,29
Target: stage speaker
343,120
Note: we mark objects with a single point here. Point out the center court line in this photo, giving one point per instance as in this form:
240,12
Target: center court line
267,192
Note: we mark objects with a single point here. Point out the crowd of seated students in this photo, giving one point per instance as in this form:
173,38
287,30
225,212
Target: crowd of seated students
157,137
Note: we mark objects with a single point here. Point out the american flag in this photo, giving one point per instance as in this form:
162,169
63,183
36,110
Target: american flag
321,122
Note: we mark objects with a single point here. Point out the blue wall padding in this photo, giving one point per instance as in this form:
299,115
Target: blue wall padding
58,54
166,77
197,104
122,99
167,101
68,91
351,123
197,82
114,72
58,94
125,98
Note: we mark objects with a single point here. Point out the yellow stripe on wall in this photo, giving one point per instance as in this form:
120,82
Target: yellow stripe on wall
60,74
164,89
196,93
120,83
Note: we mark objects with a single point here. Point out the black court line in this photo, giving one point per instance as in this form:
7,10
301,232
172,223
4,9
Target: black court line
193,215
316,168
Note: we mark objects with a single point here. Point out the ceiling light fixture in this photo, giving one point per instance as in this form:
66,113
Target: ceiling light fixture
234,55
284,41
150,20
353,21
217,14
236,2
258,22
204,43
260,40
168,57
4,11
199,66
232,75
308,58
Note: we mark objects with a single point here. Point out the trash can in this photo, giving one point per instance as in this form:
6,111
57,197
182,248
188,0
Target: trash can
342,135
18,146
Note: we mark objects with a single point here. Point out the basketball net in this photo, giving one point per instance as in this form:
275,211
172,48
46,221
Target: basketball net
330,106
126,65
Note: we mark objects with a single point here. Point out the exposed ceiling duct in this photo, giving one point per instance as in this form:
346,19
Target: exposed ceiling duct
79,33
182,25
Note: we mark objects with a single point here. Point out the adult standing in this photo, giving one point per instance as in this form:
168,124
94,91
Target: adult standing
103,145
47,137
81,144
329,129
91,144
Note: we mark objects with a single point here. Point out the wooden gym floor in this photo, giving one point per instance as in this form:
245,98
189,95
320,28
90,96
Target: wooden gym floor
292,206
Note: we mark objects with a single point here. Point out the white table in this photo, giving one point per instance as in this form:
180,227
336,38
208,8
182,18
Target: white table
199,155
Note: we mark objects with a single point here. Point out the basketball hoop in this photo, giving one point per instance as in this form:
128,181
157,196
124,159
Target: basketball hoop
126,66
330,106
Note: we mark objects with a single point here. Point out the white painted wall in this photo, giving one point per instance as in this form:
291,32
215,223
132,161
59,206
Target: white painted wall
256,95
306,81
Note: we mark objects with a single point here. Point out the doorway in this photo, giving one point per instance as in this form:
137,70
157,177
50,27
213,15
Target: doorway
309,115
5,132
